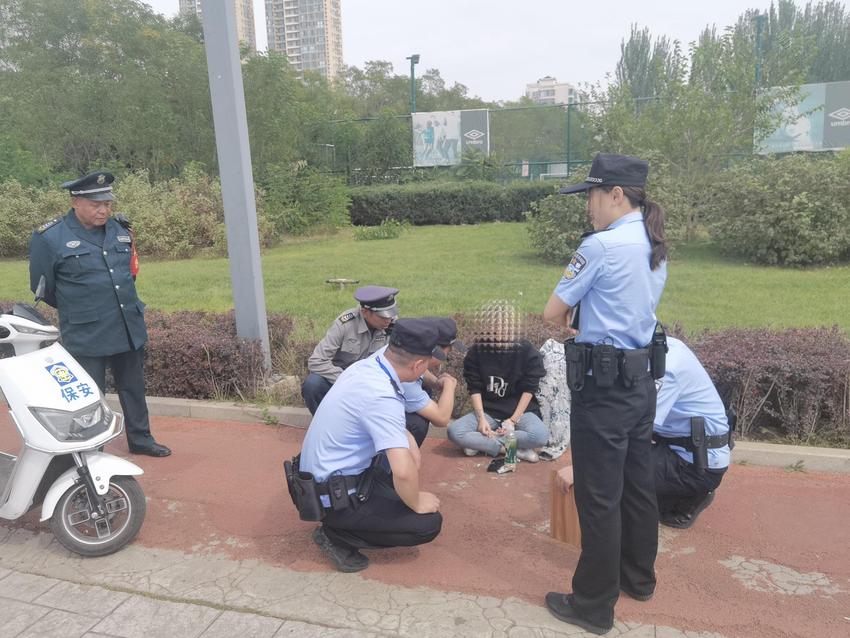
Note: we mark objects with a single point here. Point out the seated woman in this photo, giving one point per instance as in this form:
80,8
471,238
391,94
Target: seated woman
502,373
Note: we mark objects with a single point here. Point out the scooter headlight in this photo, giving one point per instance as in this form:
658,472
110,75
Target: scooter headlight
81,425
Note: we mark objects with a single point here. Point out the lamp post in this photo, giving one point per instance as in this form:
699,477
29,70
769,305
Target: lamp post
414,60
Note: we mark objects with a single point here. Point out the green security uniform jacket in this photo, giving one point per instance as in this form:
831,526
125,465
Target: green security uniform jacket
90,285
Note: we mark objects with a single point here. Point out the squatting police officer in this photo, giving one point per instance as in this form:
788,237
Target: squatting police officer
618,274
692,436
692,440
86,259
354,335
359,421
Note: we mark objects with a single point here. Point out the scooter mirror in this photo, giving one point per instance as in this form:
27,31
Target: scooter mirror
39,291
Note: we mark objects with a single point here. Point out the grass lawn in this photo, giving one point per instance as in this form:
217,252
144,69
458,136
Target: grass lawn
448,269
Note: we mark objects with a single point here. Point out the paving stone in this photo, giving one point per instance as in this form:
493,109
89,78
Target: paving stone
139,617
231,624
60,623
25,587
82,599
293,629
15,616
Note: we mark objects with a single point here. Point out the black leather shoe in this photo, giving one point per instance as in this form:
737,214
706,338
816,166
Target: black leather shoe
559,606
684,520
641,597
345,559
154,450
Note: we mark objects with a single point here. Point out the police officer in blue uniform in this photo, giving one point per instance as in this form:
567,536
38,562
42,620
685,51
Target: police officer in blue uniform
693,439
421,410
358,424
85,259
354,335
618,275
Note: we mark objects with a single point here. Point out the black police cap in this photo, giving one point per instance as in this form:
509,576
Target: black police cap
95,186
417,336
612,170
447,333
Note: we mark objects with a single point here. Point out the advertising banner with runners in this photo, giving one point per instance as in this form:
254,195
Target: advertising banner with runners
441,138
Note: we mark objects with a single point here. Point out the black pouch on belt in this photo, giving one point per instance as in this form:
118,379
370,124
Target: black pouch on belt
658,352
633,366
575,354
304,491
700,445
338,492
605,365
367,479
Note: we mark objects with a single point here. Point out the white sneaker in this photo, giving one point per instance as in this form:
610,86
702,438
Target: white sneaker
470,452
527,455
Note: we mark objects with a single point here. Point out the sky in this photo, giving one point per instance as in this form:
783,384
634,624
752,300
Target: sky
496,47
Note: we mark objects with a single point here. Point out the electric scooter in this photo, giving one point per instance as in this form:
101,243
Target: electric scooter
94,503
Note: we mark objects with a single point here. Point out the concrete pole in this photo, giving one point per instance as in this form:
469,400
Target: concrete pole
234,163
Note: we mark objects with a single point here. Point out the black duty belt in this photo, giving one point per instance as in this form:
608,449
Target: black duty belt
606,363
711,442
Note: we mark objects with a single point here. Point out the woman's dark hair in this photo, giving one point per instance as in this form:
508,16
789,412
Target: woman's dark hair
653,221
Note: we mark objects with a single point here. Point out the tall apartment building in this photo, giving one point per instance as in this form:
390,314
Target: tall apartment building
245,31
549,91
308,32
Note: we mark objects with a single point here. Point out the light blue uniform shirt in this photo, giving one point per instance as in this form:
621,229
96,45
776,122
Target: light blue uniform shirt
415,397
687,391
609,274
362,414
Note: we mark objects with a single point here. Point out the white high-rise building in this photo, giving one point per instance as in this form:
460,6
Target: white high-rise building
549,91
245,30
308,32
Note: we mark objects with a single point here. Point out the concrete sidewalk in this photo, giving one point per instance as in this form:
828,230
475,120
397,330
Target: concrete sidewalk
145,593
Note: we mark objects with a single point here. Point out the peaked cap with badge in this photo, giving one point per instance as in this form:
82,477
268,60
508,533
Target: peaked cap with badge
608,169
94,186
378,299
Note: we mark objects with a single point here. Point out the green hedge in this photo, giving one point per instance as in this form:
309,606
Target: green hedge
792,211
465,202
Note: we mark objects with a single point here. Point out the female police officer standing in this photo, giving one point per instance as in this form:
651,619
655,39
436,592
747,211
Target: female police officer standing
617,274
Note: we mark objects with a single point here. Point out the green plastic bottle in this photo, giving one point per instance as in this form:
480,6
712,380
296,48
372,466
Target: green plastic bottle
510,448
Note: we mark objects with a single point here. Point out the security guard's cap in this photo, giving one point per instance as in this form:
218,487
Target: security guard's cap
417,336
612,170
447,333
95,186
378,299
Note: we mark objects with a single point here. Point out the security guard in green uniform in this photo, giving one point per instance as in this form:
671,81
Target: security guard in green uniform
85,258
356,334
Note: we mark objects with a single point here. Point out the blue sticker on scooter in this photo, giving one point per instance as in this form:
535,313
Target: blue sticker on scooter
61,373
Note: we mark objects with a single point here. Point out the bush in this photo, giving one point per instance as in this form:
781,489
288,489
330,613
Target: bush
793,384
298,200
793,210
24,209
389,229
180,217
555,225
444,202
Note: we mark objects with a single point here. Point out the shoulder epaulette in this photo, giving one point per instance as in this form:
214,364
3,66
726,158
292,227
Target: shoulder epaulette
122,219
346,317
49,224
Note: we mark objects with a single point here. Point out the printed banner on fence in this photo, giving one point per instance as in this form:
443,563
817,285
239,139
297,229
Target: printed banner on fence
440,138
820,121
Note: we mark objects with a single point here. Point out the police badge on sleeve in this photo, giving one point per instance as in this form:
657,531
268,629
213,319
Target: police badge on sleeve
576,265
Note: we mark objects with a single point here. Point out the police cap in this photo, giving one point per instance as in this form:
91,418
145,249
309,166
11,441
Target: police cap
95,186
378,299
447,333
612,170
417,336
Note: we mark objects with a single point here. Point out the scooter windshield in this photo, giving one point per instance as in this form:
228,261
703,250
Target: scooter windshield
25,311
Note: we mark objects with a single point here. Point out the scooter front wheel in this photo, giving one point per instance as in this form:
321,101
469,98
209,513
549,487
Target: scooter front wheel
77,526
